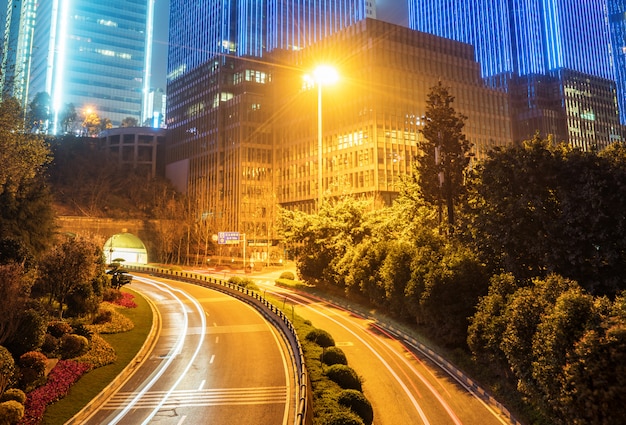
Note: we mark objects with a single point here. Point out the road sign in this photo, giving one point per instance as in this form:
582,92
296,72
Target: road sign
228,238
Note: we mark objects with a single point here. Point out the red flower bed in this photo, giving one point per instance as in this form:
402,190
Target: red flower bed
126,300
61,378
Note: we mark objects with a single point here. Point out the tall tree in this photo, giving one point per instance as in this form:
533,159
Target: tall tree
14,291
68,117
445,153
39,112
22,155
543,208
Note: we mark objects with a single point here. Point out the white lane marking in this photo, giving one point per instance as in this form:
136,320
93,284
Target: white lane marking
193,357
201,385
286,371
419,410
206,397
164,366
182,419
212,358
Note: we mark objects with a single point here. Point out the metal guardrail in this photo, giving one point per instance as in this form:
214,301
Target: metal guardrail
271,312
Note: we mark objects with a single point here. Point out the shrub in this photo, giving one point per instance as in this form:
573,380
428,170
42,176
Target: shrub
118,323
334,355
73,345
32,369
100,353
320,337
358,403
7,368
243,282
30,335
50,345
103,316
14,394
287,275
11,412
82,330
111,295
59,328
344,376
343,418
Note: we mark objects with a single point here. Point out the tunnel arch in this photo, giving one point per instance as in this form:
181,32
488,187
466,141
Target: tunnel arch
126,246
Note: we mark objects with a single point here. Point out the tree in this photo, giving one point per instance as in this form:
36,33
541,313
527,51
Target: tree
129,122
67,117
105,124
26,215
119,275
543,208
91,124
39,112
14,291
594,378
439,170
22,155
73,263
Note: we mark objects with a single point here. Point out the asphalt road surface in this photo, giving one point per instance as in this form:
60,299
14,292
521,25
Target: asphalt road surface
214,360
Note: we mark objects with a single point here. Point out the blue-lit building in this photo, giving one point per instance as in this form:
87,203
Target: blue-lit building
18,21
219,146
95,56
553,58
617,25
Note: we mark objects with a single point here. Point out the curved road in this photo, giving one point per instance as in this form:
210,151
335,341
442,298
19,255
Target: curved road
215,360
403,386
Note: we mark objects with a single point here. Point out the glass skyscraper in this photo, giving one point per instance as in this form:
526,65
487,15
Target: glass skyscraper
617,24
219,146
523,37
94,55
552,56
15,51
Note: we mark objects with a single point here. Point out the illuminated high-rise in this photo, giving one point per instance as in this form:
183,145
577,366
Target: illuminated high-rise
95,56
15,51
219,142
520,36
617,25
552,56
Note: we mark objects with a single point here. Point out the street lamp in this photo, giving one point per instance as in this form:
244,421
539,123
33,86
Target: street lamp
322,75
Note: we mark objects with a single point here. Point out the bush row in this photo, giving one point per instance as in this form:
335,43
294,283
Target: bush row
337,388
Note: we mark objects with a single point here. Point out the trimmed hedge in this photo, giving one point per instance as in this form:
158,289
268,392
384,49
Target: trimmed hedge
358,403
11,412
320,337
14,394
334,355
344,376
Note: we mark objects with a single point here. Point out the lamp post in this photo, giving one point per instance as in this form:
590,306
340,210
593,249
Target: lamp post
323,75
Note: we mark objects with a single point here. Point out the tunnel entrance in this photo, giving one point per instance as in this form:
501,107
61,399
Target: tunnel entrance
125,246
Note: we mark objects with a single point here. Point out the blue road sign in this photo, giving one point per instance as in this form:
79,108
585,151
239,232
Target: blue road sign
228,238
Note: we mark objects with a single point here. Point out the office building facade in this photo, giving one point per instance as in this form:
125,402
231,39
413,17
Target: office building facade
95,56
373,116
15,52
535,48
219,141
242,135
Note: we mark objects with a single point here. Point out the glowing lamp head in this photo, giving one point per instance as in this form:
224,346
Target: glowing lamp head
325,75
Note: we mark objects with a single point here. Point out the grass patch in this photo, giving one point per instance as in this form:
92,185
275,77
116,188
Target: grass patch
126,345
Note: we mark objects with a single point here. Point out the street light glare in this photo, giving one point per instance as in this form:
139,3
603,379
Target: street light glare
326,74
